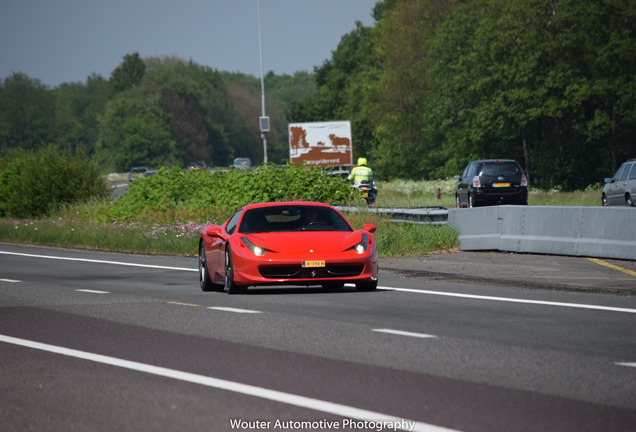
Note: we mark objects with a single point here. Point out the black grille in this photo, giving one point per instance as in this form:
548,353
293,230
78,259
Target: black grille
298,272
344,270
280,272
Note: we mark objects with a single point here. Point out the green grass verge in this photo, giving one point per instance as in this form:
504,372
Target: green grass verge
394,239
176,231
409,194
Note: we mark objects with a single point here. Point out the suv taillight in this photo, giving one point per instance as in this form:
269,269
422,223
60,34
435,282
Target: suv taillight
524,181
476,182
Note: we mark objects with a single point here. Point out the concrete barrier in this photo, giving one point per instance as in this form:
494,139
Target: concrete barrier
606,232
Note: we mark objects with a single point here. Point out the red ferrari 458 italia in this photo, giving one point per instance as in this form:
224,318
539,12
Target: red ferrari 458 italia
287,243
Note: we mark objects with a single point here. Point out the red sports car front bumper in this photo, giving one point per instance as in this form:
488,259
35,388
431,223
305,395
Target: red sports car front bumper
346,267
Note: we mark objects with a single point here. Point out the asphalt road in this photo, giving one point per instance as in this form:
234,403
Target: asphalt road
119,189
105,341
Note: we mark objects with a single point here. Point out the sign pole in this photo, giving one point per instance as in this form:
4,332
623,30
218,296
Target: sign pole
263,131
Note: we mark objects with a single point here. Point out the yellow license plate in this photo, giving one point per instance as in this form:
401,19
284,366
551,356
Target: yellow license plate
313,264
501,185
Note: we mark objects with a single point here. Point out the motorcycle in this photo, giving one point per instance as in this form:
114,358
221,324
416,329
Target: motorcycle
368,191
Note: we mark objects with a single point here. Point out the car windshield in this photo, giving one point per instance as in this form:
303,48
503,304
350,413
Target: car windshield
292,218
499,169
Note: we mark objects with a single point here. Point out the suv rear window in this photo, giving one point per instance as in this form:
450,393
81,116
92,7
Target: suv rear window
496,169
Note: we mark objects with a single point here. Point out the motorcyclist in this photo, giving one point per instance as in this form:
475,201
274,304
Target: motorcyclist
361,172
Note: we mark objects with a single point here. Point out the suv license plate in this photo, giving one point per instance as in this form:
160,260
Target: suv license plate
501,185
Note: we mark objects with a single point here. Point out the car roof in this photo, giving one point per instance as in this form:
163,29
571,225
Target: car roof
494,160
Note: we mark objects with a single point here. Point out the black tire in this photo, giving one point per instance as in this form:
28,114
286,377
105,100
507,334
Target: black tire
471,201
204,276
604,200
367,286
628,200
230,286
457,204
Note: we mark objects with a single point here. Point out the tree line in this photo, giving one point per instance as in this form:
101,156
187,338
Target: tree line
157,111
436,83
429,86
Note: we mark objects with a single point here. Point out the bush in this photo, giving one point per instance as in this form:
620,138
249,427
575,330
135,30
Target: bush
34,183
203,193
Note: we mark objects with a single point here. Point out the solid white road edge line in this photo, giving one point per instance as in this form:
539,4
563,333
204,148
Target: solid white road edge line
92,291
404,333
512,300
100,261
273,395
9,280
231,309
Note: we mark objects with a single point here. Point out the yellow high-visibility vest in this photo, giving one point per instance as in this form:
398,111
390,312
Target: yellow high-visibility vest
360,174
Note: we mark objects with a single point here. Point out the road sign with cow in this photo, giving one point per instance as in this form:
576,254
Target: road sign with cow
321,144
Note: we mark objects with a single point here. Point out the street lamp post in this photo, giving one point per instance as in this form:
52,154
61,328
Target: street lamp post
264,120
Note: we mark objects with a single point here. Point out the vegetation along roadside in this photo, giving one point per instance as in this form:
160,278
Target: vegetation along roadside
165,213
49,199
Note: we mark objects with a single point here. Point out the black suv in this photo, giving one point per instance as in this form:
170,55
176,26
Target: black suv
491,182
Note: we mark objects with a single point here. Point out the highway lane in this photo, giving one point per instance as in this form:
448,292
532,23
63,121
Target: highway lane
461,356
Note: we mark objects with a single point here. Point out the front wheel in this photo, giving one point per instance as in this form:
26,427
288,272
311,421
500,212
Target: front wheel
628,200
230,286
604,200
204,276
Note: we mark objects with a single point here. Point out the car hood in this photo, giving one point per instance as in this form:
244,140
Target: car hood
303,241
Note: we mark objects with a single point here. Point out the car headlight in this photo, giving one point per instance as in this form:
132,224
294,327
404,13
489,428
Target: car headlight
256,250
361,247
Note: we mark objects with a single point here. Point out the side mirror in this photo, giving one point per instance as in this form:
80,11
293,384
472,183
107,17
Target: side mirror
213,232
457,177
370,228
608,180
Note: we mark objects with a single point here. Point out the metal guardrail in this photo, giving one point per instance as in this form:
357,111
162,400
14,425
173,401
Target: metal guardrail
422,215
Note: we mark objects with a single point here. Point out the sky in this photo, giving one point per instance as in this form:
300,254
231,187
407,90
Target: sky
65,41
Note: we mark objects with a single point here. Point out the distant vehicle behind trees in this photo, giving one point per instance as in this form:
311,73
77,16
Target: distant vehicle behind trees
197,165
242,163
139,172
